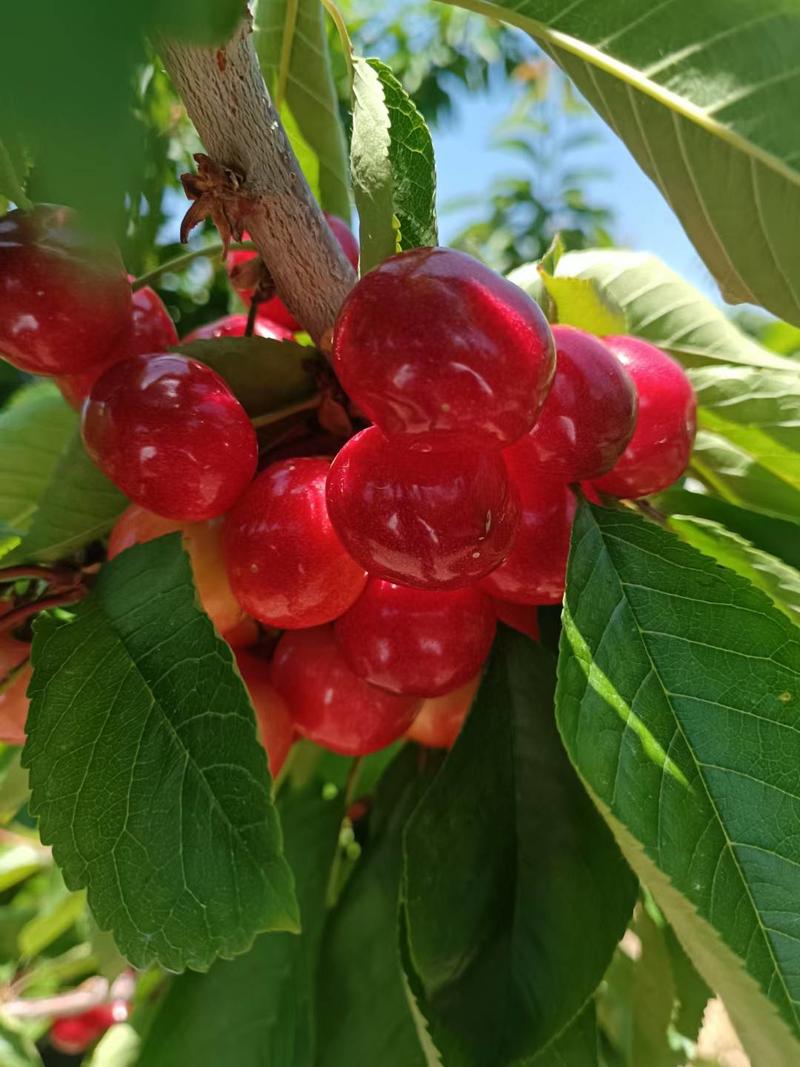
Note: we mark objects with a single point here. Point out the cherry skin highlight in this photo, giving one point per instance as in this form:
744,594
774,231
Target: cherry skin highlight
286,565
275,728
63,301
171,435
438,349
661,446
590,412
329,703
440,719
430,520
235,326
415,641
536,566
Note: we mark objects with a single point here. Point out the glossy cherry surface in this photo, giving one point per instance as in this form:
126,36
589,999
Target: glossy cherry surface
73,1034
521,617
13,698
416,641
440,719
590,412
435,347
536,566
171,435
235,325
63,301
275,727
203,542
150,330
661,446
432,520
286,564
329,703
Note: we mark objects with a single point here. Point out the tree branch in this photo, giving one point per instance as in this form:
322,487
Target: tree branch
228,102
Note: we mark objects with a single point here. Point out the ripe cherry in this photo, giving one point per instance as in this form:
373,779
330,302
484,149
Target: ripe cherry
13,696
171,435
329,703
440,719
274,310
63,301
661,446
235,325
203,542
415,641
150,330
286,565
274,723
590,412
536,566
435,347
521,617
431,520
73,1034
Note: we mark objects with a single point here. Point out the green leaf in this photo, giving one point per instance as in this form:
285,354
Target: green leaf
677,701
264,374
292,46
145,771
118,1047
258,1009
666,310
691,991
574,1047
13,784
777,579
13,172
739,478
198,22
53,920
392,166
704,96
579,302
17,1050
18,862
549,893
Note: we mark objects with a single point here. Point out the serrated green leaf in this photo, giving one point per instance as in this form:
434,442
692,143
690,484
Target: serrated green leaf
703,96
691,991
392,166
145,771
574,1047
678,697
579,302
740,478
549,893
292,47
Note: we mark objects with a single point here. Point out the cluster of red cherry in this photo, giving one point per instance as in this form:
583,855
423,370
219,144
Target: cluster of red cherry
387,568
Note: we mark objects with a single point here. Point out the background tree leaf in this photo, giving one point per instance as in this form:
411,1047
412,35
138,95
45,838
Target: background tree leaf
739,477
145,771
579,302
684,726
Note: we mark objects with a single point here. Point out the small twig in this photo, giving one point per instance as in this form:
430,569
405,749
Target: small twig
52,575
15,618
252,311
283,413
90,994
649,511
331,893
179,262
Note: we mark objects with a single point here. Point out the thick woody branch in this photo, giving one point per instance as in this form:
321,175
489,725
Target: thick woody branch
228,102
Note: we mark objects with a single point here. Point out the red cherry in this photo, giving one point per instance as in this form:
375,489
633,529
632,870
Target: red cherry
415,641
275,728
435,347
63,302
431,520
235,325
521,617
73,1034
536,565
590,413
13,698
286,565
440,719
169,432
329,703
203,542
662,443
150,330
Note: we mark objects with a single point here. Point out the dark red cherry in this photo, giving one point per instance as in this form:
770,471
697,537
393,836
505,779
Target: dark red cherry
440,719
661,446
521,617
590,412
434,520
329,703
275,728
286,565
437,349
416,641
73,1034
171,435
235,325
536,566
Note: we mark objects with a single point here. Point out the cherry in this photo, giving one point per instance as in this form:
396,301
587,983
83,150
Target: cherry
274,309
431,520
63,301
203,542
659,451
440,719
286,565
536,566
235,326
275,728
329,703
13,697
589,415
415,641
171,435
150,330
521,617
73,1034
435,347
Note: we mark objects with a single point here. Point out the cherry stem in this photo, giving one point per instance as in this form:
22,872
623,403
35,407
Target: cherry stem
52,575
332,891
284,413
179,262
647,509
91,994
12,619
8,679
251,317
